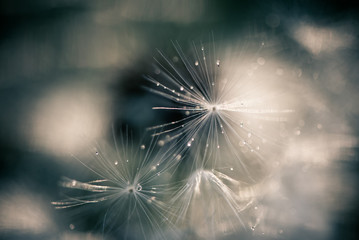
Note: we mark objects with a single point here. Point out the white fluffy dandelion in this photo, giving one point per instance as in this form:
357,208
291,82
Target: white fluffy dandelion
130,189
211,204
226,104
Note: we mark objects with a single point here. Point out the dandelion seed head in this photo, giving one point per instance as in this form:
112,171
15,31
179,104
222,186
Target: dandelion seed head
231,107
126,187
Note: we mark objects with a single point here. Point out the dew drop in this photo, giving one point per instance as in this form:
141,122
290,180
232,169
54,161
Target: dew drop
181,88
143,147
71,226
73,183
97,153
196,63
241,124
202,48
161,143
138,187
189,144
191,87
231,169
253,227
127,160
116,163
157,84
261,61
217,63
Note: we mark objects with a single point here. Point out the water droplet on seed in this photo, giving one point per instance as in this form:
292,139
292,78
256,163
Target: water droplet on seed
261,61
71,226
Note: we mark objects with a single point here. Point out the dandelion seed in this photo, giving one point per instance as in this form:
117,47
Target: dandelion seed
124,190
214,106
208,205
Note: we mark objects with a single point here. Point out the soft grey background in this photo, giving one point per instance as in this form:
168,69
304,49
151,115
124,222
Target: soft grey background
69,67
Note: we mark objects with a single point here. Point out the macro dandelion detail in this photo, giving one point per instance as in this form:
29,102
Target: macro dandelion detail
230,104
197,177
131,190
210,203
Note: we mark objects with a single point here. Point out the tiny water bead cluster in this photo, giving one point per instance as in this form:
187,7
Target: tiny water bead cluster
221,144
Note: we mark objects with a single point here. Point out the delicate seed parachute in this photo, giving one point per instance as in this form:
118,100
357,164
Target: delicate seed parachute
230,106
131,191
212,204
